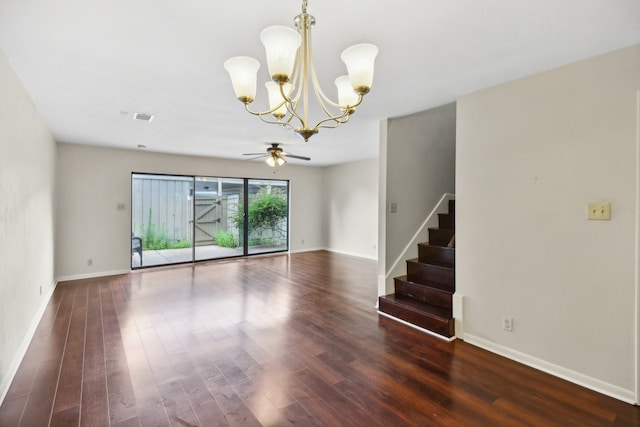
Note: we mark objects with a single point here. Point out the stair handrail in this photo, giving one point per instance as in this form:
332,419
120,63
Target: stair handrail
414,240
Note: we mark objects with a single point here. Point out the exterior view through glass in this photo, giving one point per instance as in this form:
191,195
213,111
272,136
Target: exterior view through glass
177,219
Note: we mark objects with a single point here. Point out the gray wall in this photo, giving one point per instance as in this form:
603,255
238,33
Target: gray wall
27,160
418,152
351,206
530,155
94,180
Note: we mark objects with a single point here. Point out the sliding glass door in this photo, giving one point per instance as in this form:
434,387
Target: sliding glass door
218,220
177,219
161,219
267,216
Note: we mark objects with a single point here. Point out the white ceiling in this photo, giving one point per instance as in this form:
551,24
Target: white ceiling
89,65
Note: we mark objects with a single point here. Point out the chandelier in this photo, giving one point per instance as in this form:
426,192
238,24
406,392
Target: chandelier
293,74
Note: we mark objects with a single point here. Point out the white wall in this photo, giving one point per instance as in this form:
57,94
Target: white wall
93,180
351,204
418,152
530,155
27,167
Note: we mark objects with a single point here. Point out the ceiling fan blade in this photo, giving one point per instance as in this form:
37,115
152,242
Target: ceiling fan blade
293,156
258,156
254,154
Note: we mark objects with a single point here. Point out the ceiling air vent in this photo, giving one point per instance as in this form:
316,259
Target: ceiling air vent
143,116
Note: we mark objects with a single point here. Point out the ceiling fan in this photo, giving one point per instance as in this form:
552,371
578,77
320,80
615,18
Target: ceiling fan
275,155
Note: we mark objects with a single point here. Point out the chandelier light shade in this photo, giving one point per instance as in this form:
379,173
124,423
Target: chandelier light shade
244,70
290,63
359,60
281,44
275,98
346,95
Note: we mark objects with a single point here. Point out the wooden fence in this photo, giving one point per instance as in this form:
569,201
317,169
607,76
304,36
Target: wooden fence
162,204
165,206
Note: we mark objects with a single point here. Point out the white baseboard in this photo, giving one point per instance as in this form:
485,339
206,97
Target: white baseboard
297,251
555,370
92,275
426,331
374,258
24,345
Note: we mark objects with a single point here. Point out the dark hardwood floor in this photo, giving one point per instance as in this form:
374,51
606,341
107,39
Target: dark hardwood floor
273,341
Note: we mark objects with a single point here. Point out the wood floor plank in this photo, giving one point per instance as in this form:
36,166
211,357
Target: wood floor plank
282,340
12,409
351,413
319,367
235,410
37,411
177,404
66,417
121,396
95,404
68,393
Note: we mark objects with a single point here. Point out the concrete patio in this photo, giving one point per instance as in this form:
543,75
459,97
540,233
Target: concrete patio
172,256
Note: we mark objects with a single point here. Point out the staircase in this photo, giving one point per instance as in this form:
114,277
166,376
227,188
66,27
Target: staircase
424,296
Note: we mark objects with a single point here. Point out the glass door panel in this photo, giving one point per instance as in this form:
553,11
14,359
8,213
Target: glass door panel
267,216
161,228
218,222
176,219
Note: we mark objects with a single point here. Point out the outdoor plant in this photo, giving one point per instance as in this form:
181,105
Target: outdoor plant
157,238
226,239
267,209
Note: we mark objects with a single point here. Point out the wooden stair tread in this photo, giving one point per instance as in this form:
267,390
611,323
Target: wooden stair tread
419,306
441,255
432,286
429,294
440,236
431,275
435,263
420,314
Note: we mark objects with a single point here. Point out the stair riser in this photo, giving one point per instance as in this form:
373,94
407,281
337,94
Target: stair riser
440,237
423,320
424,293
436,254
440,277
446,221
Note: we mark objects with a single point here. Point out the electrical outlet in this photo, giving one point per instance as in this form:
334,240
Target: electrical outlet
89,262
121,206
507,324
599,211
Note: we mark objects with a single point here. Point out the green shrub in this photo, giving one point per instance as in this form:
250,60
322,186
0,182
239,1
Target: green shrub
180,244
154,238
226,239
266,210
262,242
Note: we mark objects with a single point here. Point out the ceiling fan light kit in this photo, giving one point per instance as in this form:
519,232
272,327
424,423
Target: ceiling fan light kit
290,64
274,160
275,155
